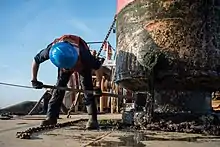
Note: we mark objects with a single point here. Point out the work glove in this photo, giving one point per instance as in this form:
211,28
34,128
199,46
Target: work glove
102,60
97,63
37,84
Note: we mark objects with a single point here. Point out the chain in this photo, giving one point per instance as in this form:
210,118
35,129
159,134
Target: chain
30,131
106,37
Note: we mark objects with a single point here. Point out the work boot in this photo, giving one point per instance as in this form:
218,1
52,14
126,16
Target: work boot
92,123
48,121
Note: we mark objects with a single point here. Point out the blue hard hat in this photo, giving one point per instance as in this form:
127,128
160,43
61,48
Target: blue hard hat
63,55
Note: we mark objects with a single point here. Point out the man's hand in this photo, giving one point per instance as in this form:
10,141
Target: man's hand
37,84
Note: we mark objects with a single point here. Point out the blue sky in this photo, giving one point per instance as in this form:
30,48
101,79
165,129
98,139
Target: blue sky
27,26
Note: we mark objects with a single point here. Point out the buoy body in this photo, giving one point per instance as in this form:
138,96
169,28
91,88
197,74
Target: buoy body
175,42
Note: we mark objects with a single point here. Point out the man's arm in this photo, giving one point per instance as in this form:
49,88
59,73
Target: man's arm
42,56
35,68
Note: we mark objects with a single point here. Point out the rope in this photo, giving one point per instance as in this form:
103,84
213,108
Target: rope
107,35
99,138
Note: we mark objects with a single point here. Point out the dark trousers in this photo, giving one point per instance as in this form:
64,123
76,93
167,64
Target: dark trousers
58,95
46,98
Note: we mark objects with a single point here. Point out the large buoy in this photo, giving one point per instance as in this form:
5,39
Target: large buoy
176,42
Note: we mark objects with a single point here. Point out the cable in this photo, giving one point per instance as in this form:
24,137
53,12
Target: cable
15,85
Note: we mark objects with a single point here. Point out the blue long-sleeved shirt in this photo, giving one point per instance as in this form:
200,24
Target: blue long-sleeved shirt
87,59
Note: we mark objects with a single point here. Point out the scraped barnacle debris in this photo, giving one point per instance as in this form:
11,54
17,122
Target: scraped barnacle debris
197,126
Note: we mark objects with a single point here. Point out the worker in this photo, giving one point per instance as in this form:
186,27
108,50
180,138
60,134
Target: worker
69,54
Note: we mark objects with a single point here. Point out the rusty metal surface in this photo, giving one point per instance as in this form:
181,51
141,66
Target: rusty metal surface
178,40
